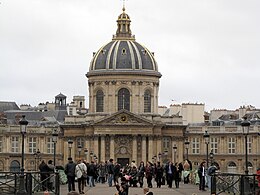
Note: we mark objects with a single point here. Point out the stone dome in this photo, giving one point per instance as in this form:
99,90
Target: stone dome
123,53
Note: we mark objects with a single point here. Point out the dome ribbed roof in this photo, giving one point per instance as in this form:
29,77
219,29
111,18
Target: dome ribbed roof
123,53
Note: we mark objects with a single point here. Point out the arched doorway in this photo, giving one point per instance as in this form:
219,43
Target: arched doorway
15,166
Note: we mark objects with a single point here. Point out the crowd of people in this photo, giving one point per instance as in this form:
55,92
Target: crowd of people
131,175
123,177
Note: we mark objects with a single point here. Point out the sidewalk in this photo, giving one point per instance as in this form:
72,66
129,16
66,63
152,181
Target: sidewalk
103,189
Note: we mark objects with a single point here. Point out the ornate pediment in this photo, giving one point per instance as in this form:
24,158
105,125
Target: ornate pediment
123,117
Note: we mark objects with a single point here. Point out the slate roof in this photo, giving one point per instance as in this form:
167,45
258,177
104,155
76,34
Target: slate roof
4,106
35,117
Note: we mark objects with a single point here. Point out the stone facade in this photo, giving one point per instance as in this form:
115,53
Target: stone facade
227,143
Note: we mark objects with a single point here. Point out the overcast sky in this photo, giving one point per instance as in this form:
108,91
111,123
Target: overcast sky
207,50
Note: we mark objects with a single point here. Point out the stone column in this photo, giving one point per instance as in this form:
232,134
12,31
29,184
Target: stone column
159,147
134,155
150,148
103,149
112,146
91,97
87,144
180,151
7,147
172,151
96,145
144,149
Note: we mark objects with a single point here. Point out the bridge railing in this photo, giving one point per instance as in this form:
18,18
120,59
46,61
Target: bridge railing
223,183
34,183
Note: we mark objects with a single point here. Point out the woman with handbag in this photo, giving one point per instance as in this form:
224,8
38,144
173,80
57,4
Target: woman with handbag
81,172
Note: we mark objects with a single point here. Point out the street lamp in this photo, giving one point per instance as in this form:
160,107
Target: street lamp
245,127
79,150
155,158
37,157
54,140
211,156
159,156
206,138
187,143
70,142
86,153
23,124
174,151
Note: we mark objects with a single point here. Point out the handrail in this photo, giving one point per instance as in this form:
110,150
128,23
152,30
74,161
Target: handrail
234,183
34,182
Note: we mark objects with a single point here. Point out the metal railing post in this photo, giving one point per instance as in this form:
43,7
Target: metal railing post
213,189
242,186
57,183
29,183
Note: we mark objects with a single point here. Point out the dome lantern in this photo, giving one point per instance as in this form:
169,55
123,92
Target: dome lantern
123,27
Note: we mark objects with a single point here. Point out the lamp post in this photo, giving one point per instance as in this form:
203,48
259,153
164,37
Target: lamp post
187,143
174,152
23,124
91,155
211,156
206,138
37,157
54,140
86,153
70,142
245,127
79,150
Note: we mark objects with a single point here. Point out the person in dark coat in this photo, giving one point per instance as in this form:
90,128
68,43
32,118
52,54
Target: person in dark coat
110,171
170,171
149,174
176,175
141,170
92,169
133,173
202,173
116,172
70,172
44,174
159,174
102,172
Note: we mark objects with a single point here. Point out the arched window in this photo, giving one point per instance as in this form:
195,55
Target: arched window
123,99
231,167
15,166
100,101
147,101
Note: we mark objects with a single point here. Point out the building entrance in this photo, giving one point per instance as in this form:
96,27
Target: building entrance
123,161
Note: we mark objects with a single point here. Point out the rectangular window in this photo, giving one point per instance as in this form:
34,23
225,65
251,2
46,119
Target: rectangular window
32,144
50,146
1,144
195,144
231,145
214,145
80,142
166,143
15,144
71,111
249,145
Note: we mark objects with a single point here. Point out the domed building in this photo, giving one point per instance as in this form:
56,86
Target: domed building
123,121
